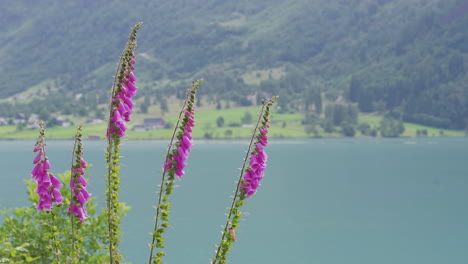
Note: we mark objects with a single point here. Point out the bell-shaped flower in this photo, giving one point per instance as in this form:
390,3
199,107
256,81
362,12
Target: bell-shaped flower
255,172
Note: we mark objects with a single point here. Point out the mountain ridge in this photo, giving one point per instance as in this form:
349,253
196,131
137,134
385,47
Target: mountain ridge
405,58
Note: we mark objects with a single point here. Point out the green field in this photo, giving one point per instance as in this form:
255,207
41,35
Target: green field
410,128
282,126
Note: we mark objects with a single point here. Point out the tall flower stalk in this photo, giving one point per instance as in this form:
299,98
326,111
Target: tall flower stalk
121,107
249,180
48,189
48,186
177,153
79,196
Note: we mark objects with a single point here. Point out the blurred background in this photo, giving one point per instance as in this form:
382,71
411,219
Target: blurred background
342,68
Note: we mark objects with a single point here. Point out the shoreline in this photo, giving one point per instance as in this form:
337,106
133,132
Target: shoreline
241,138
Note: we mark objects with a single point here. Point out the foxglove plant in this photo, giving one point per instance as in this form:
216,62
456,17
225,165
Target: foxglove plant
121,107
174,164
48,189
176,160
249,181
79,195
255,172
48,186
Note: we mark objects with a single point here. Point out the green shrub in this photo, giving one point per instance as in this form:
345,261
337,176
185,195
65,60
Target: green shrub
24,235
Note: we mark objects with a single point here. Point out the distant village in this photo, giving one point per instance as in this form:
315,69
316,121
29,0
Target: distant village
32,122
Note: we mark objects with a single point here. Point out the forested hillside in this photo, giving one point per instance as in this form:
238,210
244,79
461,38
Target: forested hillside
403,58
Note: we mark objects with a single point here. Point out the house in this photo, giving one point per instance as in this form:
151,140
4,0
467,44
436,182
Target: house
153,123
62,121
139,128
33,121
94,137
94,121
20,119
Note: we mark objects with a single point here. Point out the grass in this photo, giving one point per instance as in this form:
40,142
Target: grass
206,125
10,132
372,119
410,128
283,125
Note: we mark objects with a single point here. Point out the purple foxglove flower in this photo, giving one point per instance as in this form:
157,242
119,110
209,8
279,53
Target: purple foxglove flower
38,157
250,183
186,142
82,214
182,155
119,123
82,181
188,129
48,186
188,135
117,119
191,119
127,101
80,171
46,165
261,155
83,163
123,89
45,203
255,172
167,164
56,189
263,140
38,168
57,195
132,88
132,77
180,171
124,111
184,146
81,196
42,190
44,179
122,100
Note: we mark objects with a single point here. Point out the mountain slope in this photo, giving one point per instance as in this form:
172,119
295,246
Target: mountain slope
403,57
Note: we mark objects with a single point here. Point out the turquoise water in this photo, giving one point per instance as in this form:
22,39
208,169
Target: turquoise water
327,201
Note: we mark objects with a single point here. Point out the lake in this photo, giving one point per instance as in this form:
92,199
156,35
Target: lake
327,201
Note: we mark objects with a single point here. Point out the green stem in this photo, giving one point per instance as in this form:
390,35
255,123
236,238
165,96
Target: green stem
53,233
72,215
110,165
112,150
163,179
236,193
112,201
109,182
76,150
